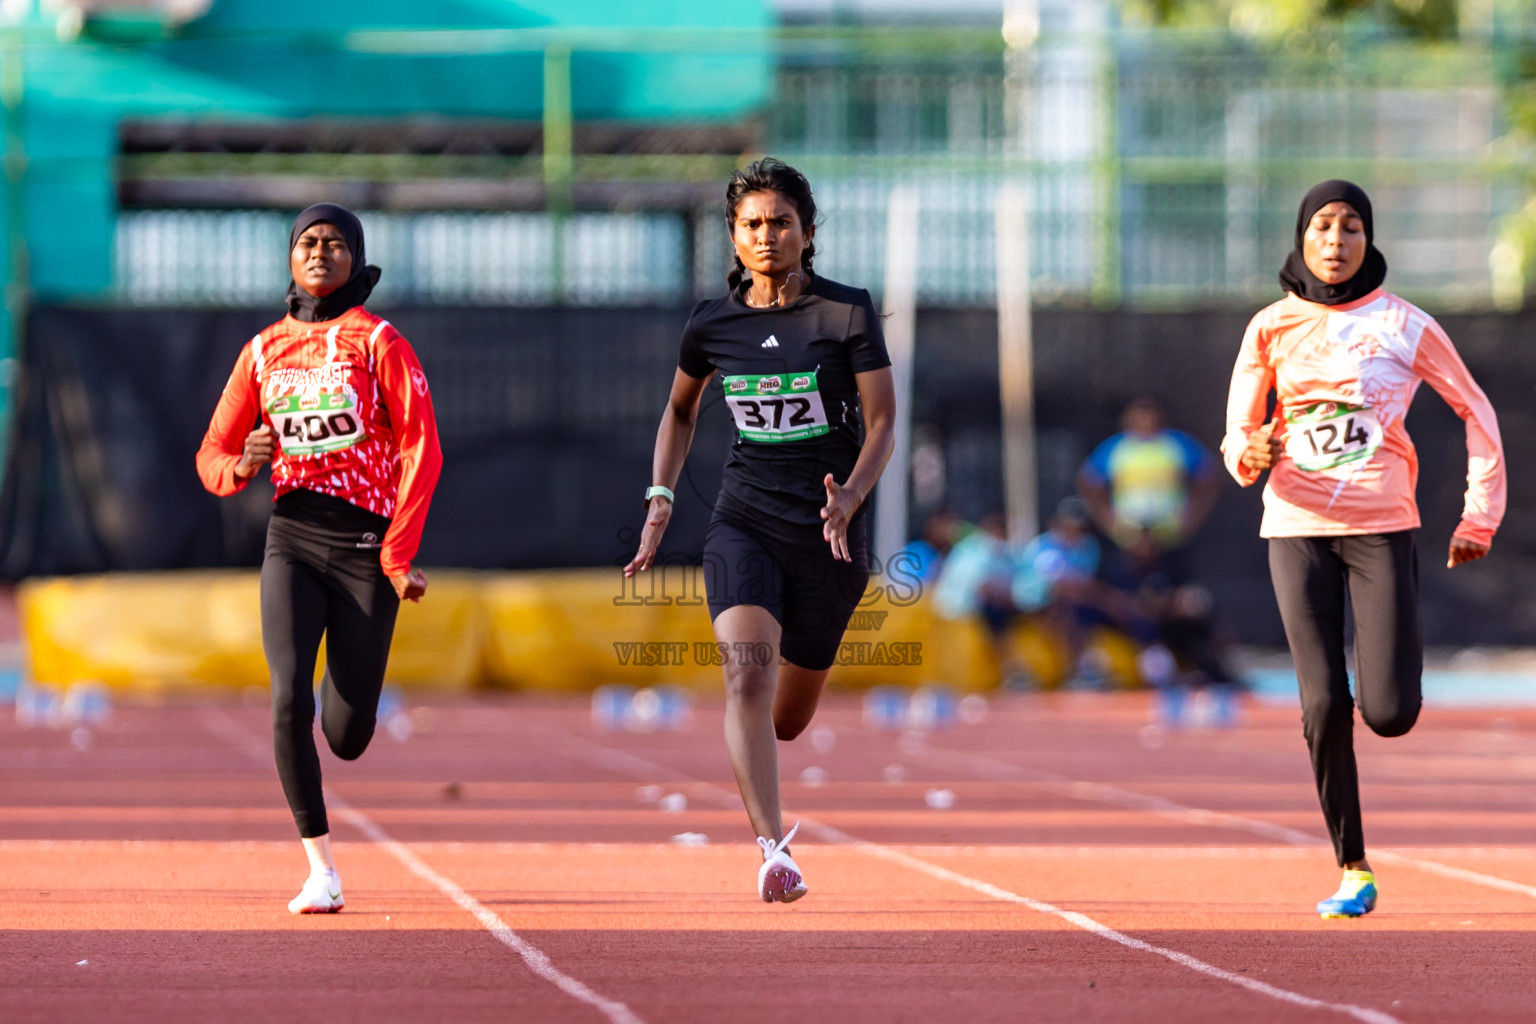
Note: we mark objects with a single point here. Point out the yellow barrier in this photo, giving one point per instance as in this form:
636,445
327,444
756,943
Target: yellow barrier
163,630
567,630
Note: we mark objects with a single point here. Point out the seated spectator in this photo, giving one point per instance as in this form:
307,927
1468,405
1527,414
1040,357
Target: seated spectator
1056,579
977,580
1058,566
926,554
977,577
1171,617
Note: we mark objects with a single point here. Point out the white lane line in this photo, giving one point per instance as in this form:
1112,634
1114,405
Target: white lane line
538,962
228,729
1114,796
621,761
1088,924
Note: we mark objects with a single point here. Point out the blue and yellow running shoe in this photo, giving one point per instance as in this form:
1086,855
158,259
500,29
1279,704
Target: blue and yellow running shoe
1356,896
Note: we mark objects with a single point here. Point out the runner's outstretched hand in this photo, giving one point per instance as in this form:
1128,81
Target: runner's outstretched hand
411,586
656,519
258,449
1464,550
841,505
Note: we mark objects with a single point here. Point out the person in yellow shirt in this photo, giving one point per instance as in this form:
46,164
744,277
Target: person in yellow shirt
1149,487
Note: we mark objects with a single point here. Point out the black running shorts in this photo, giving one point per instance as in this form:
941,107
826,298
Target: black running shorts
788,569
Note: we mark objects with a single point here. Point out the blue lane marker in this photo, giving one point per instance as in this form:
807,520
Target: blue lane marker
1441,688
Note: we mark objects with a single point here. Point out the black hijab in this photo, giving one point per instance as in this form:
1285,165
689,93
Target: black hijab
1297,279
310,308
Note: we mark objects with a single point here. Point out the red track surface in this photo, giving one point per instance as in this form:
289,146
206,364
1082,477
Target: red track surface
163,856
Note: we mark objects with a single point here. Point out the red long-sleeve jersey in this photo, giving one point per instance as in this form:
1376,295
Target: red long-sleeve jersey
349,405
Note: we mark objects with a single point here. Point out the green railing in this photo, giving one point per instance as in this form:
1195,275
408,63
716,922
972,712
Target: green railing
1163,168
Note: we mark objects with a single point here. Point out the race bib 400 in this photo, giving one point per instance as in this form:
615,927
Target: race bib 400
1330,434
312,423
776,406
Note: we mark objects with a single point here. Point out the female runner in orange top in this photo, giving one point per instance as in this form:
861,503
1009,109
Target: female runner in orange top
335,399
1345,358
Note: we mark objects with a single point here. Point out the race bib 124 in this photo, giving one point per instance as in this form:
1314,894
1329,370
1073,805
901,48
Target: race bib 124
1330,434
776,407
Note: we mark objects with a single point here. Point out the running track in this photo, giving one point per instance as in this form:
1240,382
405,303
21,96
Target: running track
504,864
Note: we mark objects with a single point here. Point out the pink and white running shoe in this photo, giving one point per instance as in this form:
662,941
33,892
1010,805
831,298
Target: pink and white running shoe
779,879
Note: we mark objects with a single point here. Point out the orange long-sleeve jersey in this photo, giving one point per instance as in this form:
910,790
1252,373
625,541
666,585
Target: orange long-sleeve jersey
349,404
1344,376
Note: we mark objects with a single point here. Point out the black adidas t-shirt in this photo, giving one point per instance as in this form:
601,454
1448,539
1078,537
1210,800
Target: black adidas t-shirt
788,377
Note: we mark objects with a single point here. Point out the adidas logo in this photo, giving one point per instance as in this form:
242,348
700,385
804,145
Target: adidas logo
772,342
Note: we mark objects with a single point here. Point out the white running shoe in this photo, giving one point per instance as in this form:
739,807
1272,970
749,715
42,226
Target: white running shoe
779,879
321,895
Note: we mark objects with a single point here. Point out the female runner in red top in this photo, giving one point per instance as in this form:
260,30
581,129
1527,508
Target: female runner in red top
334,398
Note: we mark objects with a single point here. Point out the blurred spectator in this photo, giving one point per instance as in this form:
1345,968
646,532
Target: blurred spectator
1172,620
1055,578
1149,488
977,580
1058,567
978,574
928,552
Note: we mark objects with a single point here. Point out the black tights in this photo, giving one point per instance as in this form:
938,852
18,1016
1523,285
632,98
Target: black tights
1381,572
315,582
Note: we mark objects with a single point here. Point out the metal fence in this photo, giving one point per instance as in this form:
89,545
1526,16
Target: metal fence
1162,170
237,258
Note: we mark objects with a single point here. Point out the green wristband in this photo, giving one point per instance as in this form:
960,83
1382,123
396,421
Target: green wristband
665,492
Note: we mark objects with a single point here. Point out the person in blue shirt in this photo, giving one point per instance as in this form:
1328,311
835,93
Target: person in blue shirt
1149,487
1056,580
977,576
977,579
923,558
1058,567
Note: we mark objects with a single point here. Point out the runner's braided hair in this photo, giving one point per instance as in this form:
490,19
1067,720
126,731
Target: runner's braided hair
770,175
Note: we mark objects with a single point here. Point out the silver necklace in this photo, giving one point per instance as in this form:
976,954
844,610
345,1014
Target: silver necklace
780,302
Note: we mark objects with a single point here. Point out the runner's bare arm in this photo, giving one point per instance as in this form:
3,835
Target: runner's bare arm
877,398
673,439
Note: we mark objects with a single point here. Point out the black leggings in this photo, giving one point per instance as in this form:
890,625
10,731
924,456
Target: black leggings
1381,572
317,581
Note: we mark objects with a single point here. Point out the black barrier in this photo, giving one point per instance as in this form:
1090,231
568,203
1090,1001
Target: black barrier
548,417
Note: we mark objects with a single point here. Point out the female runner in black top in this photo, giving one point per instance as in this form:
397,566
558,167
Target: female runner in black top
803,366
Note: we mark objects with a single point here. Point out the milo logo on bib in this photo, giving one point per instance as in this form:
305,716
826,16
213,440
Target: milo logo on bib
763,411
316,422
1329,434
